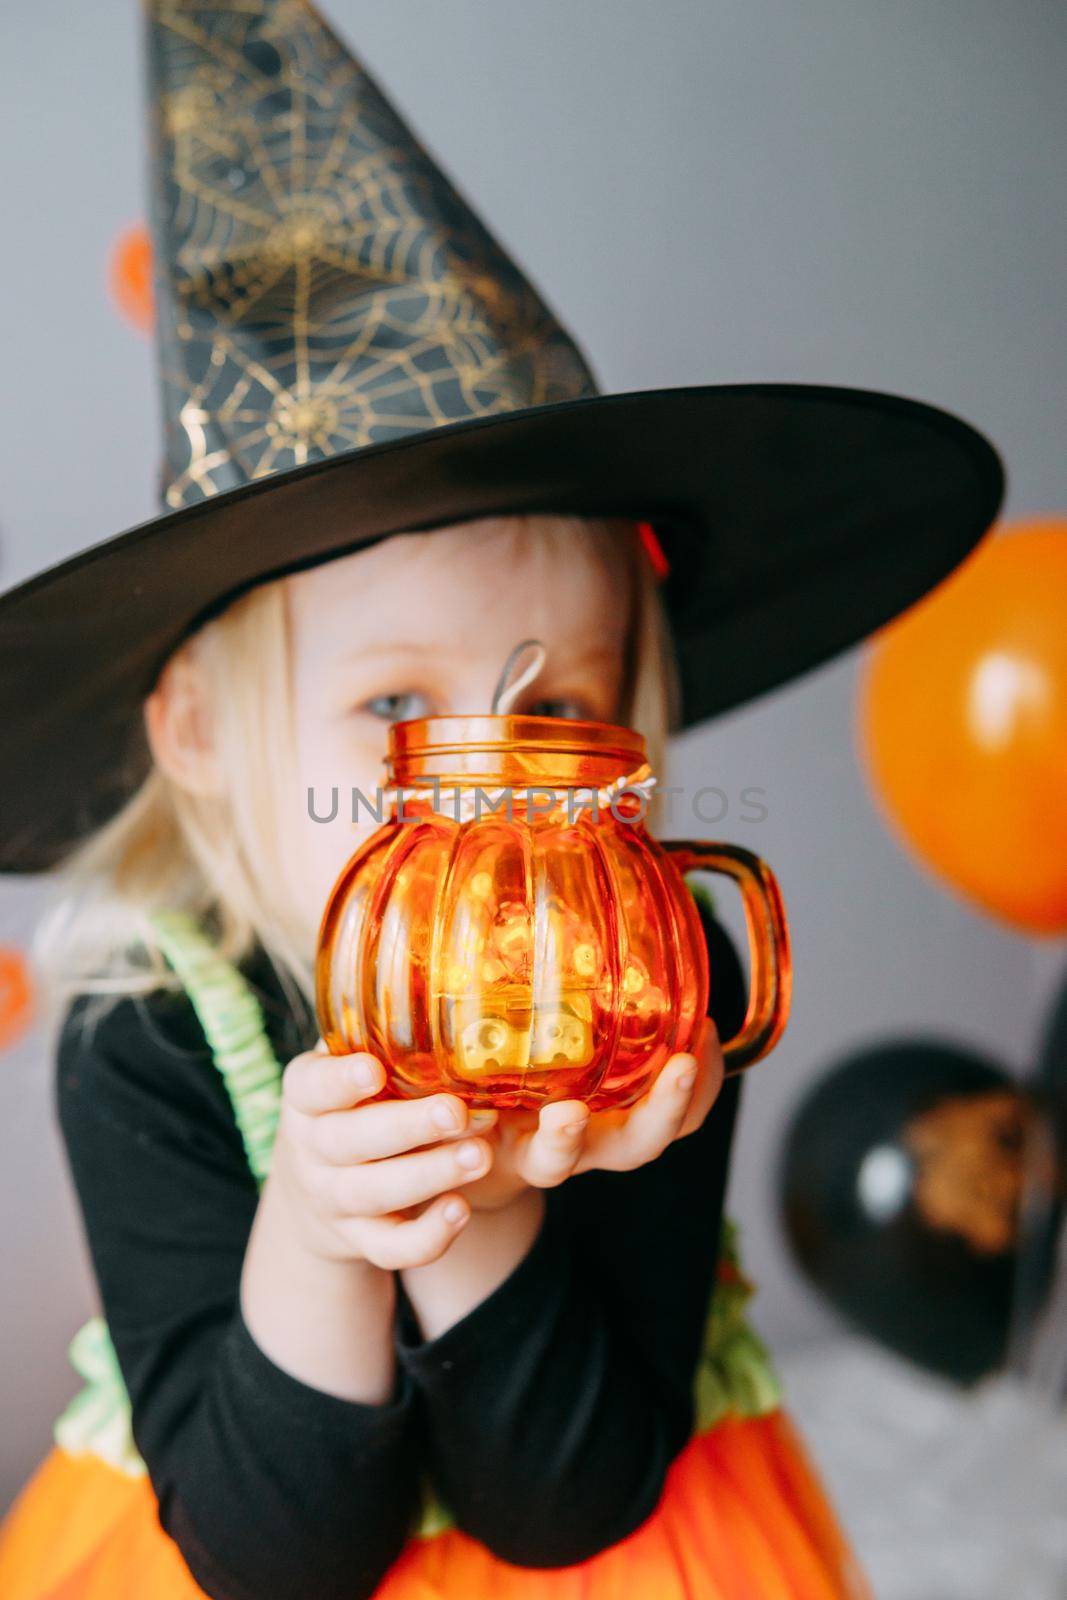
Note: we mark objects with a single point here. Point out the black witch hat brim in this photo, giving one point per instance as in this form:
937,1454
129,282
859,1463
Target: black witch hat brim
796,520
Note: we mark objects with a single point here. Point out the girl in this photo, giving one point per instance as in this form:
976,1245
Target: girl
350,1345
518,1310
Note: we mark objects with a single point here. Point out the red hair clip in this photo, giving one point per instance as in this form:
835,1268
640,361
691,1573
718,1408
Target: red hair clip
654,550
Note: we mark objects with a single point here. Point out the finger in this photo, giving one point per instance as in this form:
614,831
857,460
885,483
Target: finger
352,1035
550,1152
709,1082
391,1127
376,1187
394,1243
315,1083
651,1123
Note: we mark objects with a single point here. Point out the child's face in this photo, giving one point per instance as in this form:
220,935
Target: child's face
421,625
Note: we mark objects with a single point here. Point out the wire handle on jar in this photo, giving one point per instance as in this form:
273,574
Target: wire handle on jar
770,957
508,685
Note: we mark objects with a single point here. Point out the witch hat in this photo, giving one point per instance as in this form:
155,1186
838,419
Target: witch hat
347,353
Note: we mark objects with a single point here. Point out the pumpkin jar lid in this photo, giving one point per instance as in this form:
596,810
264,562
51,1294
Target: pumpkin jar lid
519,750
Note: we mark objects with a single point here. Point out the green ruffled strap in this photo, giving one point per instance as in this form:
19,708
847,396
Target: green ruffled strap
98,1420
232,1020
735,1375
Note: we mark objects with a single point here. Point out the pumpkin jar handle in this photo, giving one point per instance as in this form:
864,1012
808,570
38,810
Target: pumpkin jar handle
770,959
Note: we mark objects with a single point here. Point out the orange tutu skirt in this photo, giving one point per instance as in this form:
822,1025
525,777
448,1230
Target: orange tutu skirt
742,1517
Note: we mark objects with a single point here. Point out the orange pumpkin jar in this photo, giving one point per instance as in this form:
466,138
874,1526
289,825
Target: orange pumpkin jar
514,934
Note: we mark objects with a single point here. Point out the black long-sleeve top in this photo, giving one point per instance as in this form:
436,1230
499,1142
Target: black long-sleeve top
546,1417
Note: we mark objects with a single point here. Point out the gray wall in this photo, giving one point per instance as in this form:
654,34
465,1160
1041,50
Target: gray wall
868,192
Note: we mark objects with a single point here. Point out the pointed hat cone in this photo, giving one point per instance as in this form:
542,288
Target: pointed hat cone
320,282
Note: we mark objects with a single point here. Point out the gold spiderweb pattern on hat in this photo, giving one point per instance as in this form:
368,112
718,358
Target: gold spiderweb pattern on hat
321,284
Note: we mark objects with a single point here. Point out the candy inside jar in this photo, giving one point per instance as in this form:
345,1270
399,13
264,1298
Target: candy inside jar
502,1020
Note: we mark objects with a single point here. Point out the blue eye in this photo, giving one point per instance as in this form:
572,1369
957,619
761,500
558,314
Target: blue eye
574,709
397,707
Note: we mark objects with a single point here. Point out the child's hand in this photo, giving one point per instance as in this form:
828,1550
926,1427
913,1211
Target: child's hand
351,1174
542,1150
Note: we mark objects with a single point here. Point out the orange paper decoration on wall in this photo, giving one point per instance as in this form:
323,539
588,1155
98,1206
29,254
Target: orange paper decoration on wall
130,276
963,726
16,996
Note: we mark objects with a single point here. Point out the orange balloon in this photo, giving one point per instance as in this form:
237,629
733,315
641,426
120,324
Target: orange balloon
963,726
16,996
130,276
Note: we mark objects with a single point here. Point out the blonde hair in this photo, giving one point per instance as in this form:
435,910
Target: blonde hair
170,849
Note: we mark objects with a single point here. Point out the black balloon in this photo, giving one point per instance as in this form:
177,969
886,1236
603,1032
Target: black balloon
1052,1059
902,1185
